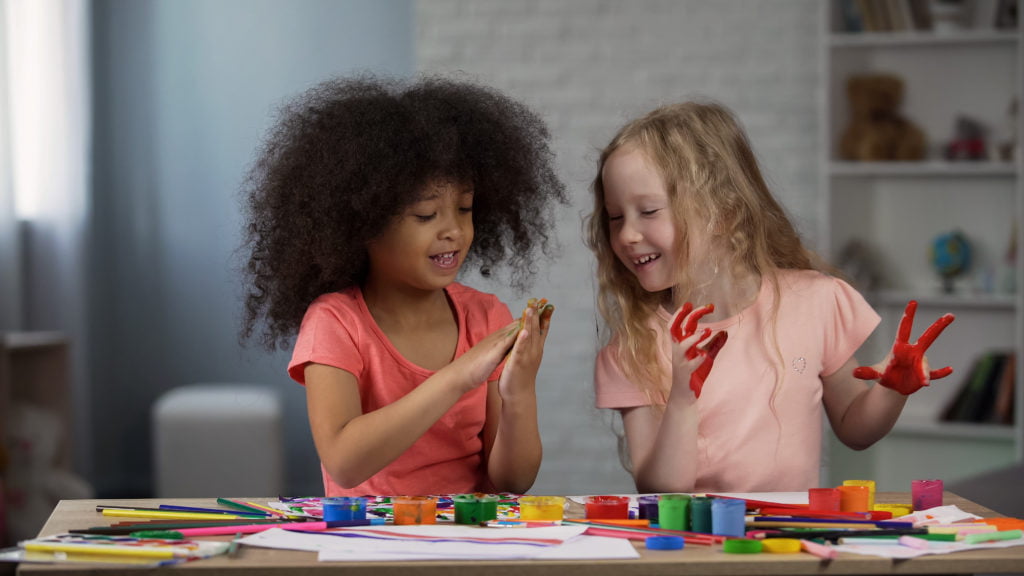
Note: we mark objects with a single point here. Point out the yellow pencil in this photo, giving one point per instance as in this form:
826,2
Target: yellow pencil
106,550
169,514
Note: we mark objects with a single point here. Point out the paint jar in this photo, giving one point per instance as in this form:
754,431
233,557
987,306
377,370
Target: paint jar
541,508
871,490
823,499
854,498
674,511
700,514
475,508
343,508
415,509
647,508
925,494
728,517
607,507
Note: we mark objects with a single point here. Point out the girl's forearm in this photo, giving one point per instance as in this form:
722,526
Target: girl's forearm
516,454
371,441
669,465
870,417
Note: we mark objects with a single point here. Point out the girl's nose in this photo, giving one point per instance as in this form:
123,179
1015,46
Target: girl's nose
628,233
451,227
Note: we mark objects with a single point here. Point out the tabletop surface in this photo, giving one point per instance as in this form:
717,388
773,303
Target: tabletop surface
76,514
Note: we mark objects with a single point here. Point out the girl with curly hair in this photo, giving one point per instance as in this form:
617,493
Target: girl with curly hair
727,396
367,199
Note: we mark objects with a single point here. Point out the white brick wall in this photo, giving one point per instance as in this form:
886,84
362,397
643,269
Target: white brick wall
587,66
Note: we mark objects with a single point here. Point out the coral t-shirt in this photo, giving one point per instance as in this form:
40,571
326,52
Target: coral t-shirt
339,331
746,440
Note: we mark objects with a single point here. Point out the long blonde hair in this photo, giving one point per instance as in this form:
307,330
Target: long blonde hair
713,179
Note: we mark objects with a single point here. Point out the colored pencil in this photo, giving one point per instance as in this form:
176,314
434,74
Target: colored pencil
170,515
253,528
836,534
240,506
125,528
214,510
168,507
820,521
101,549
692,537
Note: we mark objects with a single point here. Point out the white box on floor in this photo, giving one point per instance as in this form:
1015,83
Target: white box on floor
218,440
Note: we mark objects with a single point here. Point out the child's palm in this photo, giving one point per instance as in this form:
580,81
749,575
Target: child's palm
907,370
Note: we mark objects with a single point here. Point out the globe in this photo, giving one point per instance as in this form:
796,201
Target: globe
951,257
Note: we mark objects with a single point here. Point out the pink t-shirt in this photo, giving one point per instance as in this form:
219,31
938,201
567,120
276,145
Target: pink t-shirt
339,331
746,441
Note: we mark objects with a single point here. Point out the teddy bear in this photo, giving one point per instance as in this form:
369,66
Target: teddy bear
877,131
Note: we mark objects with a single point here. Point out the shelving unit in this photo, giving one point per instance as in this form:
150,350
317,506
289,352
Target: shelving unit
897,208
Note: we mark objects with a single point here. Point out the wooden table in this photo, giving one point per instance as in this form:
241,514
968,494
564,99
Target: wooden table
251,561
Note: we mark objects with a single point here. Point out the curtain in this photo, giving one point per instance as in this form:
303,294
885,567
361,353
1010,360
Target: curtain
44,176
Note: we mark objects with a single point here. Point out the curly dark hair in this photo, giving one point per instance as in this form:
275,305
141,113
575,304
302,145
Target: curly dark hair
350,154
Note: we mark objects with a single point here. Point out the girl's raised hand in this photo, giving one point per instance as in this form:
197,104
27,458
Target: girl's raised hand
703,346
528,350
477,364
906,370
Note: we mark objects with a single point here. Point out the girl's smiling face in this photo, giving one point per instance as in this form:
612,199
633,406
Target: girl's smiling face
425,246
640,220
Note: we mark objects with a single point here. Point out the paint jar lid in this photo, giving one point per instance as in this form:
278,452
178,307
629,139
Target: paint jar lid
780,545
741,546
664,542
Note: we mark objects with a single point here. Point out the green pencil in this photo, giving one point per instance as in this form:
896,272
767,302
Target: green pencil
239,506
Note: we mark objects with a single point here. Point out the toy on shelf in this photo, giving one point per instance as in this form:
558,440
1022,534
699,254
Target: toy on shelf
876,130
951,257
968,141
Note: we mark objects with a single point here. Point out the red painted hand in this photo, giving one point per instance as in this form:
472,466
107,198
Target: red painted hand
684,325
905,372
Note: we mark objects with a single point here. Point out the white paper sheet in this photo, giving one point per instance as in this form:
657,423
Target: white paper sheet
899,551
422,542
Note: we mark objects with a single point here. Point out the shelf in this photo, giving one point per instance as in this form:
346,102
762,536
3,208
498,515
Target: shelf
884,39
928,168
899,298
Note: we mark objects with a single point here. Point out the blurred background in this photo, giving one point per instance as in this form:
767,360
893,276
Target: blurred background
128,125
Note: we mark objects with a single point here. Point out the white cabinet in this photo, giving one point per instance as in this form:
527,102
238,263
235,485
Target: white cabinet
897,208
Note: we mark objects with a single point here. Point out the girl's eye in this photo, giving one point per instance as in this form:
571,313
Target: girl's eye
614,218
465,209
650,212
425,217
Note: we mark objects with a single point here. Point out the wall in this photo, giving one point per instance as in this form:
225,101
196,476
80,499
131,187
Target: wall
587,66
184,90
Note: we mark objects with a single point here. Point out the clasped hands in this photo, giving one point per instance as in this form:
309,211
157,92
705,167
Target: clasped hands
906,371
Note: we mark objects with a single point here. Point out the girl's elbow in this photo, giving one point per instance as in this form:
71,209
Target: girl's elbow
345,476
859,444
